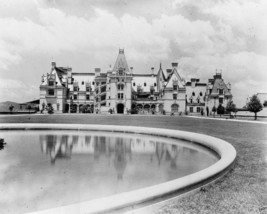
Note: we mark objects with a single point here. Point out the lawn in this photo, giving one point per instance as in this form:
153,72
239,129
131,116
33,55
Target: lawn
242,190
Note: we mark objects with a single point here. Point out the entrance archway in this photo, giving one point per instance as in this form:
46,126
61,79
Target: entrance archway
120,108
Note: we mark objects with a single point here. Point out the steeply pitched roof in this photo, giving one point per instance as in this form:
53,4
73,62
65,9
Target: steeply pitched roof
219,84
121,62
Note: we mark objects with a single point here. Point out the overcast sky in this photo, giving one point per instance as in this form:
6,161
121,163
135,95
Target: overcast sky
202,36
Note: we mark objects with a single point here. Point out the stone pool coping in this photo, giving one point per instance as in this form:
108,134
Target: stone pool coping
117,202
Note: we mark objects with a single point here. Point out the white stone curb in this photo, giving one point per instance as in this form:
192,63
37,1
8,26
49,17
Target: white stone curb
225,150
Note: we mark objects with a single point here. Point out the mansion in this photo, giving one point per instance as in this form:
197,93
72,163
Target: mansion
122,91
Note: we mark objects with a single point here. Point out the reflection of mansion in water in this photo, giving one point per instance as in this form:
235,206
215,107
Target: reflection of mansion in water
120,90
117,151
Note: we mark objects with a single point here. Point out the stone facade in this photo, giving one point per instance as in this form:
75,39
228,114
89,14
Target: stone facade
122,91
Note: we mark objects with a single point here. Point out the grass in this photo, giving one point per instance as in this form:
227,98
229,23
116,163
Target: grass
242,190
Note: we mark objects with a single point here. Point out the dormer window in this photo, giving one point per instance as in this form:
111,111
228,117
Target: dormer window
51,83
75,88
191,100
120,72
144,83
175,87
220,91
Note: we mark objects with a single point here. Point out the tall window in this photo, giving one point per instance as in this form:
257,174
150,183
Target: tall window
87,97
174,96
120,95
120,86
75,96
191,109
221,100
174,108
198,109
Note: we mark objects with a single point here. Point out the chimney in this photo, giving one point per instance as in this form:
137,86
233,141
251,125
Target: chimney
53,64
97,72
174,64
152,71
69,75
169,71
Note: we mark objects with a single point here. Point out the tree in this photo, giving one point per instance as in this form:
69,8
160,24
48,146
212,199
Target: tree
11,107
220,110
231,107
29,107
213,110
50,109
254,105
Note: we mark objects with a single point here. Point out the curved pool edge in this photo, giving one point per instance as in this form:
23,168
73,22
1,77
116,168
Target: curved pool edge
130,199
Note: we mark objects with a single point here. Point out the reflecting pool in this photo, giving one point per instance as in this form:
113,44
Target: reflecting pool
45,169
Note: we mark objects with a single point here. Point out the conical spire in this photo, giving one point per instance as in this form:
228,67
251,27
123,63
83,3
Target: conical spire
121,62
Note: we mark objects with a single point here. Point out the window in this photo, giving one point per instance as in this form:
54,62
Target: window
120,71
174,108
134,84
191,100
175,87
198,109
120,95
191,109
51,83
82,82
220,100
155,84
144,83
200,94
88,88
193,93
75,88
51,92
120,86
103,89
87,97
58,106
103,97
75,96
198,100
93,83
174,96
220,91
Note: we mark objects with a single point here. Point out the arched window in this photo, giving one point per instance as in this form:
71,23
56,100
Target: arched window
193,93
174,108
200,94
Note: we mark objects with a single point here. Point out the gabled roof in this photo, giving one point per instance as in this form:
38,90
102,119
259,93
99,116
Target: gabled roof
121,62
175,76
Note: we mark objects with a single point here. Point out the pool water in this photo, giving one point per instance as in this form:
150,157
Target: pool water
46,169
